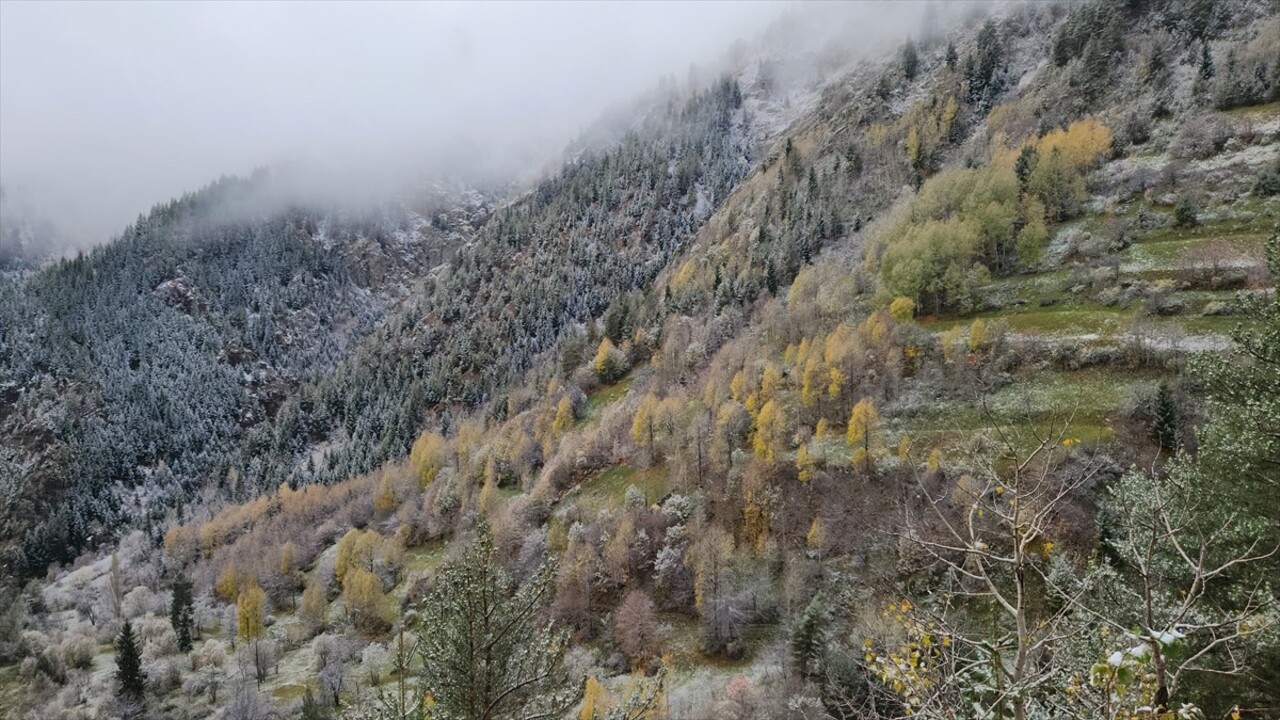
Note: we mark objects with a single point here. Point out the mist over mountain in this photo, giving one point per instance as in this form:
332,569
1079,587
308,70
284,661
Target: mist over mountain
108,109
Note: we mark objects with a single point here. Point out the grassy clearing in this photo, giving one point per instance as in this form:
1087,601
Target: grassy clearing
1245,231
1202,324
1060,319
609,488
1256,112
1090,393
1168,254
682,640
1093,399
1029,287
424,558
290,691
602,397
951,440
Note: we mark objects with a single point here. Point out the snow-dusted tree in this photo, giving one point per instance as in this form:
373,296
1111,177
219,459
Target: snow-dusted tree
182,611
485,653
1190,593
636,626
246,703
129,665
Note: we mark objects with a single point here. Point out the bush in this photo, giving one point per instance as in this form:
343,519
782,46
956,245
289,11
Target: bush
78,652
1184,214
1201,137
163,676
1136,129
1268,183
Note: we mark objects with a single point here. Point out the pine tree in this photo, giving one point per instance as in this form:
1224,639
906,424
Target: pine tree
809,640
129,665
1206,70
182,611
1184,214
910,60
485,654
1164,426
1025,165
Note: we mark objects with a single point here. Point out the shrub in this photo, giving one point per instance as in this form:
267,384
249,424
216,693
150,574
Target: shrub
1268,183
1136,129
1201,137
1184,214
78,652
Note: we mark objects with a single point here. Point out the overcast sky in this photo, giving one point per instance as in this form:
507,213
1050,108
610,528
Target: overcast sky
108,108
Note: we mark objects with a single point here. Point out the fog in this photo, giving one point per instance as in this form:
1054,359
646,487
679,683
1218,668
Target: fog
108,108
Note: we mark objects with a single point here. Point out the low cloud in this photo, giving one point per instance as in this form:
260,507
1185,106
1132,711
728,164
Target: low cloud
109,108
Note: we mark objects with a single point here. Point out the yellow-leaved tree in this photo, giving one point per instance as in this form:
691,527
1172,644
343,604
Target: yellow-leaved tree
817,534
384,498
835,382
811,381
362,596
287,562
227,585
770,436
977,335
770,382
593,696
642,425
863,430
427,456
1081,143
806,465
609,363
822,429
314,606
357,548
250,624
564,417
250,612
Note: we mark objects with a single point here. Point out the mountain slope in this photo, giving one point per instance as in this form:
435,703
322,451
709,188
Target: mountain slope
130,371
753,396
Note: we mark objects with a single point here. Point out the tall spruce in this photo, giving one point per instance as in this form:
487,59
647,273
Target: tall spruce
910,60
182,611
129,664
809,640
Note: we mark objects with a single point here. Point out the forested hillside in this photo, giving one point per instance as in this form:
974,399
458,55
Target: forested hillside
258,371
938,386
132,375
